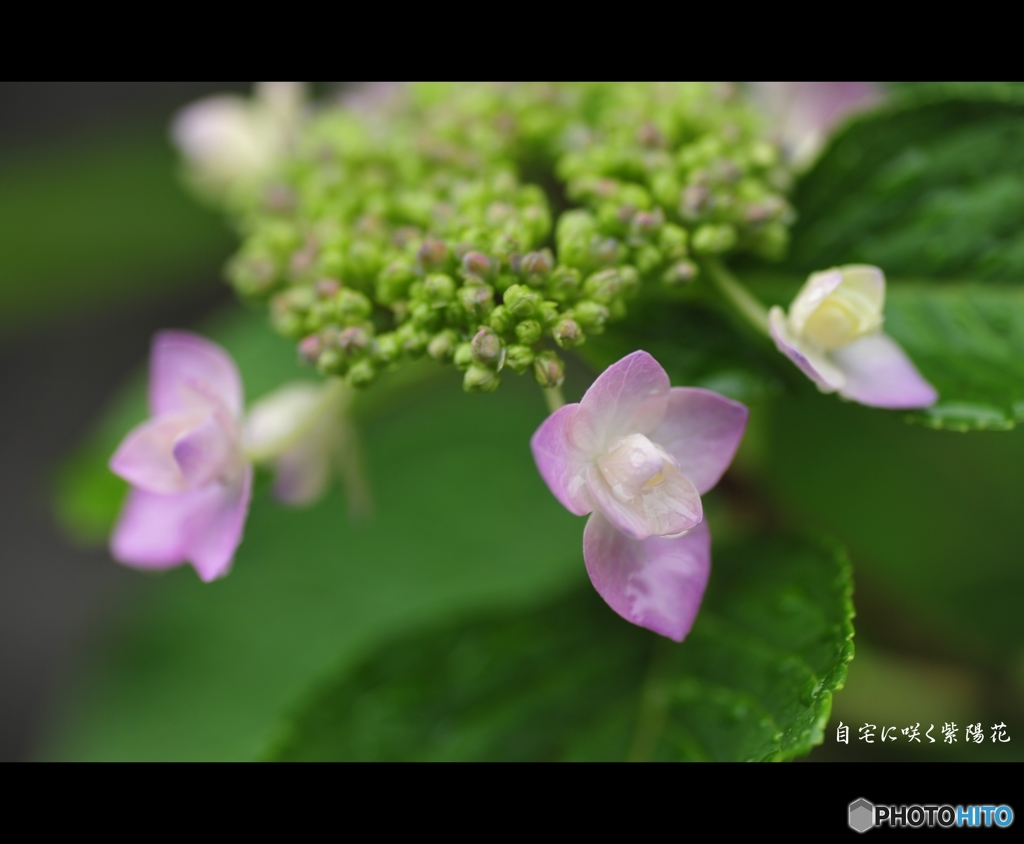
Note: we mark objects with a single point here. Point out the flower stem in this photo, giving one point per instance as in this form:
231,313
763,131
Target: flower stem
353,473
653,706
553,396
742,299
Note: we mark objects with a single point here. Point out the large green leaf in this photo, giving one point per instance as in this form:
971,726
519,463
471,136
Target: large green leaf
204,671
929,187
571,680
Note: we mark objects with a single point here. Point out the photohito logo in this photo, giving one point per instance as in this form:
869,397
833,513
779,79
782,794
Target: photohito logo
864,815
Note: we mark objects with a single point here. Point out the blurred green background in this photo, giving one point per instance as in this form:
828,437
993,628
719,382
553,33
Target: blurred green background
100,246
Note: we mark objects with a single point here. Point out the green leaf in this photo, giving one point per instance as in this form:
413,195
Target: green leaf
571,680
926,188
462,519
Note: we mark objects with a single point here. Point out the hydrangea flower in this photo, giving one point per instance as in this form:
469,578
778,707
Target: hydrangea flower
231,141
637,454
191,482
833,332
298,430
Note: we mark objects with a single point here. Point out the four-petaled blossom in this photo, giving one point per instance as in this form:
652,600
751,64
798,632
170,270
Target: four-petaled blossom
638,454
190,480
833,332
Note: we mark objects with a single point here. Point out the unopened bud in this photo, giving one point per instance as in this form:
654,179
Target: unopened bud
439,288
606,285
519,358
568,333
694,201
463,356
606,250
681,272
672,240
331,362
521,301
362,373
488,348
394,280
352,306
477,299
528,332
590,315
443,345
387,348
476,264
501,319
710,239
646,223
413,339
480,379
548,369
536,263
431,254
327,288
353,340
310,348
564,283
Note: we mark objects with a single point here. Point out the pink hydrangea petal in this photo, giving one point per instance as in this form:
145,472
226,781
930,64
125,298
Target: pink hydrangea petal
813,364
562,464
629,397
188,371
201,526
702,431
879,373
145,457
673,508
206,452
657,583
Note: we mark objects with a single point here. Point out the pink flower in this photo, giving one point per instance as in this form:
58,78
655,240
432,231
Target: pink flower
833,333
191,483
637,454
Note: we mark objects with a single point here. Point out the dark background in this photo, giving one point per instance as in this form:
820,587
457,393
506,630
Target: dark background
57,371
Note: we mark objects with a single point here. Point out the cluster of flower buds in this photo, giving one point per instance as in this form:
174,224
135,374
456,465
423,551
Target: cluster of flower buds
413,233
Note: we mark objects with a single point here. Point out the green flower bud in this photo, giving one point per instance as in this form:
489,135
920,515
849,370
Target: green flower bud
353,340
331,362
672,241
364,261
567,333
480,379
519,358
607,251
439,289
590,315
443,345
432,254
414,340
536,265
711,239
647,258
606,285
394,280
488,348
564,283
529,332
310,348
646,225
681,272
522,302
362,373
463,356
501,320
548,369
253,275
477,300
387,348
549,314
476,264
424,316
352,306
694,201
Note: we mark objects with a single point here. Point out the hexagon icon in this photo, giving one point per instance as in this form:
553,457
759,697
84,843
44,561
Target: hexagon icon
862,815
